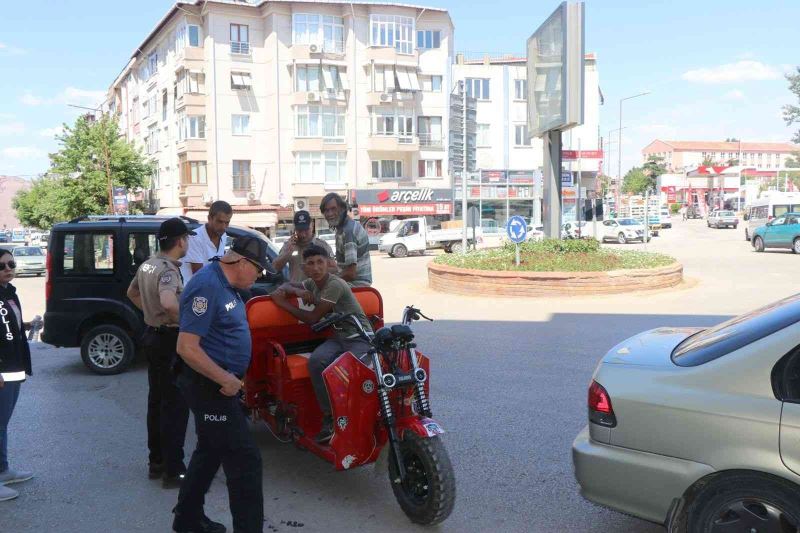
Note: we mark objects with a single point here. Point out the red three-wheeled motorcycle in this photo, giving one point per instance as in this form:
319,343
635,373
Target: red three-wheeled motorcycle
378,399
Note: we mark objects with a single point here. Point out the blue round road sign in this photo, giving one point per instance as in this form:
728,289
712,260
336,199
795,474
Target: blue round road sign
516,229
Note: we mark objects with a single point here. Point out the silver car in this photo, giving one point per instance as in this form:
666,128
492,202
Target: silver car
30,260
699,429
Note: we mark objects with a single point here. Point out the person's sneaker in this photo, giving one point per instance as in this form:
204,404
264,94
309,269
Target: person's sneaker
7,493
155,470
326,433
172,482
206,525
14,476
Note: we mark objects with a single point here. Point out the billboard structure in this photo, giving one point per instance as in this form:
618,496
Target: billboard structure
555,65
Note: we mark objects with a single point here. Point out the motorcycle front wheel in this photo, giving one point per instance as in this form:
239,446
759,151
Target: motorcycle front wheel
428,492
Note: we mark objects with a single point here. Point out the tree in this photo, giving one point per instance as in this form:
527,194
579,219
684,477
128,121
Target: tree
654,167
732,162
731,140
636,182
793,162
708,162
791,113
92,156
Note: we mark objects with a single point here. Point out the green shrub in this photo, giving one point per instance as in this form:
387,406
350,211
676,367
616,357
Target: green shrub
674,208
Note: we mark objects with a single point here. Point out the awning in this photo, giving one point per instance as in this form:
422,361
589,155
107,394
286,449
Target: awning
343,80
327,78
241,79
403,79
388,73
412,76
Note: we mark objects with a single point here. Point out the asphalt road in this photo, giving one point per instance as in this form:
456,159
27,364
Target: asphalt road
509,380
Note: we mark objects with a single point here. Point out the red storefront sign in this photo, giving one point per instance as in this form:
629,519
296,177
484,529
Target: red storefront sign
671,195
574,155
405,209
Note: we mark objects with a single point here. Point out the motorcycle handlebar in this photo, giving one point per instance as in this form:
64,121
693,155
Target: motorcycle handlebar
329,321
411,313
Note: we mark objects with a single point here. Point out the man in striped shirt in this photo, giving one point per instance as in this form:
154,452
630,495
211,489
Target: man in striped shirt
352,242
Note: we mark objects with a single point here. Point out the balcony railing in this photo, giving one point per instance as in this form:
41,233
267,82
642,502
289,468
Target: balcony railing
430,140
240,48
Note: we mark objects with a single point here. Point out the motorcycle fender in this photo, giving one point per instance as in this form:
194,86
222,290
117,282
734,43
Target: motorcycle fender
424,427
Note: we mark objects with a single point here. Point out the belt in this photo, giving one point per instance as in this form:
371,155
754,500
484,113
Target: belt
163,329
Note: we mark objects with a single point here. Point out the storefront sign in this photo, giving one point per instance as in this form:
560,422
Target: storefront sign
670,193
421,195
566,179
574,155
493,176
390,209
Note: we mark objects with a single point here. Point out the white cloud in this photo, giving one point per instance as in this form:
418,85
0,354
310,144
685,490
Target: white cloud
70,95
51,132
735,95
7,49
745,70
12,128
22,152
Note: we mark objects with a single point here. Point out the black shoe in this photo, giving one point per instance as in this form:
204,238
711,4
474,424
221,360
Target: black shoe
155,470
172,482
326,433
205,526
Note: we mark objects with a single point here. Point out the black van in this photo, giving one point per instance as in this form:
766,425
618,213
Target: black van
90,264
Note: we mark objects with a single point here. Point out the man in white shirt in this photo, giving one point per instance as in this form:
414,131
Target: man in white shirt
209,241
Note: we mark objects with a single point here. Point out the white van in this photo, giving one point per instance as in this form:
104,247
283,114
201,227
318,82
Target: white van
771,204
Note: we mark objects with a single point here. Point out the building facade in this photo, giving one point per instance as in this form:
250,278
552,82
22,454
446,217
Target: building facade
270,105
681,156
509,164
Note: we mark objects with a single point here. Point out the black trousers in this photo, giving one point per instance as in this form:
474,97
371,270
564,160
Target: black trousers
223,438
167,412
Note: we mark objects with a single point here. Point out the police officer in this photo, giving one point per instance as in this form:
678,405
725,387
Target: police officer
214,343
156,290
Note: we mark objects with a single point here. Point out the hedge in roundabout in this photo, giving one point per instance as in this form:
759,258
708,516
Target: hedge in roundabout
553,268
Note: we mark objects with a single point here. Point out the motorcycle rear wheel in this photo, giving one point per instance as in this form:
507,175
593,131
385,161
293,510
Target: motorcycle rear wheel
429,491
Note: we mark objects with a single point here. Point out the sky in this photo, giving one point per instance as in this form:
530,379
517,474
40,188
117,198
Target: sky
714,68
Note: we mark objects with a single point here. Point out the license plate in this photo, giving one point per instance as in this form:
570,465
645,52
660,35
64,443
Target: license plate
433,429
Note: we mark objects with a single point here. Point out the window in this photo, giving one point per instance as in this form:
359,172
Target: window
150,106
430,168
324,30
393,32
319,167
307,78
240,124
194,35
151,141
477,88
436,84
241,80
190,82
135,111
387,169
427,39
317,78
241,175
397,122
140,247
88,253
193,172
520,89
429,131
483,133
240,39
327,122
152,65
521,135
164,104
383,78
191,127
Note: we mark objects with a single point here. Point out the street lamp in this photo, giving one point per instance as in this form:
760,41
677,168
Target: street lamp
619,143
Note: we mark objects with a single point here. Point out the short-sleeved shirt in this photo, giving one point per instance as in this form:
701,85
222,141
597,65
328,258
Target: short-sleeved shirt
296,259
213,310
352,247
338,292
201,250
157,274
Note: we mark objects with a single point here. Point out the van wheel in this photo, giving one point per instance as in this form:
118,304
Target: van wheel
399,250
456,248
758,244
107,350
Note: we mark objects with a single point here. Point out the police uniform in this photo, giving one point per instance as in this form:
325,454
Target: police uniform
212,309
167,412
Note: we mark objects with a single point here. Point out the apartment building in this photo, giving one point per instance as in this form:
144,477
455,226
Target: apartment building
681,156
270,105
508,181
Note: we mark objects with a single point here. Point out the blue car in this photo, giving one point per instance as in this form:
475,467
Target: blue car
780,232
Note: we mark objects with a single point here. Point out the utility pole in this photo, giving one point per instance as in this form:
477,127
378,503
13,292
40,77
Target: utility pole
619,144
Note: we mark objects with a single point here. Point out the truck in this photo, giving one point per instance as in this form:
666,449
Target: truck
414,235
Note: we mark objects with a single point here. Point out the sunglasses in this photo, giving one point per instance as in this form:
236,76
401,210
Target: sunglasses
11,265
261,270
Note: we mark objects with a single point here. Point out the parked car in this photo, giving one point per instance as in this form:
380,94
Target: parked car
577,230
4,237
722,219
781,232
693,211
654,223
29,259
90,264
622,230
666,219
698,429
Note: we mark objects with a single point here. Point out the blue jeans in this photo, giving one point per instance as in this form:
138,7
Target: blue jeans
8,399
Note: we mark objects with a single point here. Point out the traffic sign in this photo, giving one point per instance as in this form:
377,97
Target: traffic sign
516,229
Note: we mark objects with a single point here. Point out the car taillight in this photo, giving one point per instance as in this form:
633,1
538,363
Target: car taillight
770,218
48,283
600,410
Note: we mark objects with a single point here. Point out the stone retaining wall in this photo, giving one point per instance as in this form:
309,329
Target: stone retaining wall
507,283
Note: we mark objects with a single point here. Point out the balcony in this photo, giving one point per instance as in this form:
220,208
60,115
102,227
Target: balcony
332,51
389,55
192,103
430,141
195,149
393,143
240,49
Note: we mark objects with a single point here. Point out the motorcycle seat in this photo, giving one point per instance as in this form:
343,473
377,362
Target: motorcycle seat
298,366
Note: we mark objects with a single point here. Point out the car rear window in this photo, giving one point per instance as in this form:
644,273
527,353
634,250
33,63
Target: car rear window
726,213
713,343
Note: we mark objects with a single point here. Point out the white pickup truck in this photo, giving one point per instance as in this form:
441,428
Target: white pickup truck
414,235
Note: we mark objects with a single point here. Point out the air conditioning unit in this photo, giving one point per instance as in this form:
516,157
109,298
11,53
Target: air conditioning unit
386,97
207,198
313,48
301,204
312,97
251,196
